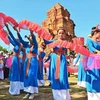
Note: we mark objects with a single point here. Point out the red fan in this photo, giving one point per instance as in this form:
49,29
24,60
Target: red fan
2,20
3,15
5,40
81,41
82,50
3,33
11,21
25,24
78,40
78,48
72,69
64,44
74,40
71,46
3,36
35,27
53,44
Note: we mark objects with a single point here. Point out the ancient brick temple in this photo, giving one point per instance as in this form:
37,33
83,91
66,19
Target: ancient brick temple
59,16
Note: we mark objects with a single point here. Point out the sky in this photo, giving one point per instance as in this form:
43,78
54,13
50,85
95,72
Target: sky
84,13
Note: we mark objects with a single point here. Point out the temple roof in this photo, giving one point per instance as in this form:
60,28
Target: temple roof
56,6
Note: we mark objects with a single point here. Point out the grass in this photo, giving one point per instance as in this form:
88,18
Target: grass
45,92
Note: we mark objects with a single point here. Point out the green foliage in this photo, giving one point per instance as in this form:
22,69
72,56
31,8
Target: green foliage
3,49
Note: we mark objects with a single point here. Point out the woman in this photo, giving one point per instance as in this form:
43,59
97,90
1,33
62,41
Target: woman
81,70
41,56
1,65
15,68
58,69
48,62
21,56
93,72
30,65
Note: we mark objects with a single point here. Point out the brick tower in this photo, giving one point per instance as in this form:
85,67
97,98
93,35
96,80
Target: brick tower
59,16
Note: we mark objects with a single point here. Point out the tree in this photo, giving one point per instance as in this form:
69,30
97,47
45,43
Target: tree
3,49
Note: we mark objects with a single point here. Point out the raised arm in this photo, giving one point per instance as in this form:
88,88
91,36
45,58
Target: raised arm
25,44
14,39
34,39
11,41
48,41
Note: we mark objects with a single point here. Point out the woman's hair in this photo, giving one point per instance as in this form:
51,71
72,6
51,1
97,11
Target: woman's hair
62,28
93,30
51,32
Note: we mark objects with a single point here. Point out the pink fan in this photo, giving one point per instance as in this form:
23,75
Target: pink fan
93,62
64,44
25,24
81,41
11,21
2,20
3,15
5,40
78,40
72,69
53,44
3,33
3,36
70,46
74,40
78,48
82,50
